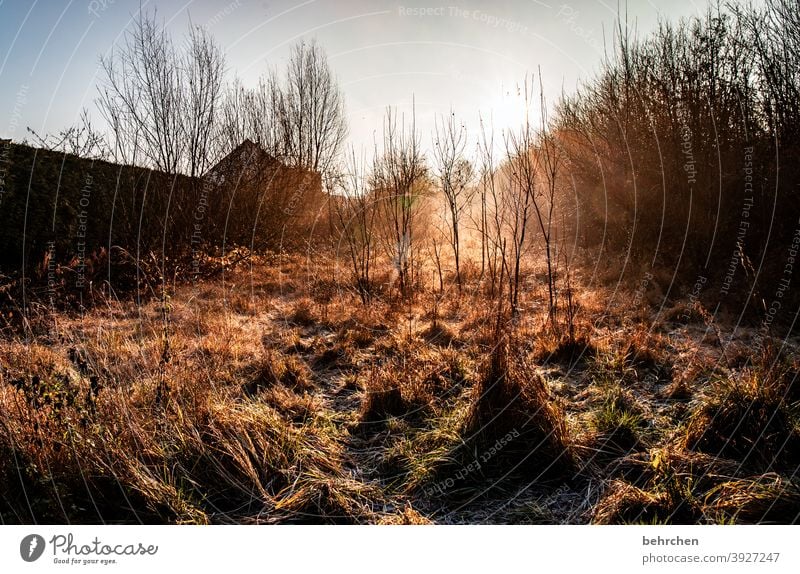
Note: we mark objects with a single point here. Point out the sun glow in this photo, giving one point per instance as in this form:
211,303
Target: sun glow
508,109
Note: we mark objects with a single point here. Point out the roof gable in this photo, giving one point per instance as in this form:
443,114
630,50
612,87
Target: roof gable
246,159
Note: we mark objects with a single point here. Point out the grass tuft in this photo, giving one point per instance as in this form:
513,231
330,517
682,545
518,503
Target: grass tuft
511,406
746,419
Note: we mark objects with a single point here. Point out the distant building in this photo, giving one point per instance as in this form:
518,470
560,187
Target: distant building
250,169
268,201
53,202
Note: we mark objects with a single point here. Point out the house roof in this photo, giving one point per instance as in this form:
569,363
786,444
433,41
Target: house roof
246,158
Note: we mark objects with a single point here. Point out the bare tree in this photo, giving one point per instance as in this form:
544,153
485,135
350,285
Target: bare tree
142,95
491,215
399,175
513,197
298,119
81,140
251,113
455,174
356,212
161,104
203,67
776,40
520,197
550,160
309,110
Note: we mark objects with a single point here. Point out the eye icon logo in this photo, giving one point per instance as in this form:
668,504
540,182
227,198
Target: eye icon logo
31,548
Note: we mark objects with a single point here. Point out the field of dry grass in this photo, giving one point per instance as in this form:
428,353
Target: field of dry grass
272,395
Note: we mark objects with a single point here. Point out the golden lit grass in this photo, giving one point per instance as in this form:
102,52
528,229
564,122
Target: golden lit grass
747,419
684,487
624,503
406,517
665,491
208,453
765,499
225,460
511,403
275,396
416,380
205,457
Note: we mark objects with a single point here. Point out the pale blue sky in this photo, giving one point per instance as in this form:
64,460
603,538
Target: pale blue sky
466,55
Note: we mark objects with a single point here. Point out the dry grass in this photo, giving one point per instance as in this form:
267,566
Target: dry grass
767,499
512,400
747,419
277,368
277,396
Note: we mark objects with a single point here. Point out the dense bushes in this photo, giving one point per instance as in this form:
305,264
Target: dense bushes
682,148
73,207
59,209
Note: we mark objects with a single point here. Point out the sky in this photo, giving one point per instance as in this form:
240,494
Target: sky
468,57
